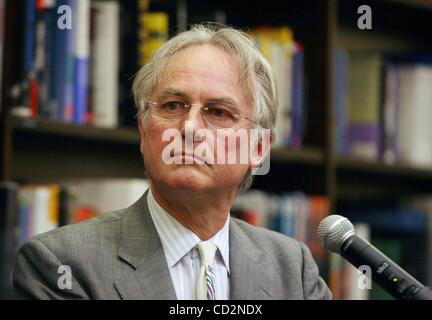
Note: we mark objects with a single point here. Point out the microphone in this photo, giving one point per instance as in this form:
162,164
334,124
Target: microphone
337,234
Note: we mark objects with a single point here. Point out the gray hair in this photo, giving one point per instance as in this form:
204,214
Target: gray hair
256,74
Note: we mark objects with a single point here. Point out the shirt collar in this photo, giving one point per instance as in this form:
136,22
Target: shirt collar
177,240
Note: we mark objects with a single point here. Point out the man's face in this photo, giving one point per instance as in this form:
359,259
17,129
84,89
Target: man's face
196,75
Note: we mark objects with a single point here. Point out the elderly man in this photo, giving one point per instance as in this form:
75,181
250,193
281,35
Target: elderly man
194,96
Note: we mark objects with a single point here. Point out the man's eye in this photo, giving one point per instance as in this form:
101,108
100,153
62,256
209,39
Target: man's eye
172,105
218,112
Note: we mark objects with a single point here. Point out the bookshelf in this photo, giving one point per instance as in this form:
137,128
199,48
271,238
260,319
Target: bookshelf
123,135
43,151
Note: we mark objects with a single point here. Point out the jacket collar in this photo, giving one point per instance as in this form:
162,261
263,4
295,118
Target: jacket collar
250,267
140,246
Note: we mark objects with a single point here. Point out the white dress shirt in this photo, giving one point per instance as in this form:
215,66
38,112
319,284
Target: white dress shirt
183,260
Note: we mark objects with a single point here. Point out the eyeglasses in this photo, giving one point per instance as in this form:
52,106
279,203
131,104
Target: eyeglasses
215,113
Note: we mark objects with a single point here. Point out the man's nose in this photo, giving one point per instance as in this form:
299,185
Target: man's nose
194,117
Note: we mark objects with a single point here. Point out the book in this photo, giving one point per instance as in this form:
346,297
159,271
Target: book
81,63
44,50
129,31
67,110
68,205
42,209
297,96
340,106
256,207
364,101
142,33
414,115
105,63
104,195
61,69
389,114
278,46
152,33
23,89
294,214
319,208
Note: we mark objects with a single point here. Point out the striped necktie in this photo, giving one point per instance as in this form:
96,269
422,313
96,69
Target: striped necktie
205,289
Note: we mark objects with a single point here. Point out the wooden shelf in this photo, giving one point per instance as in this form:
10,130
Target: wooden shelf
47,151
381,168
423,4
87,132
359,179
307,155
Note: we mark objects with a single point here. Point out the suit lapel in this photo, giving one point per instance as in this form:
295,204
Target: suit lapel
140,247
249,267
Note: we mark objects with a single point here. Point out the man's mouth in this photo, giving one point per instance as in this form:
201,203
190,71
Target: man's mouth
189,158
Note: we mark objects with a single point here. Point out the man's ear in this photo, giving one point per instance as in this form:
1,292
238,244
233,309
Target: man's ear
260,149
142,132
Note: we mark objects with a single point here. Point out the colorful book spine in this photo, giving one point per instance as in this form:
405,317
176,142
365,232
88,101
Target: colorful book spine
68,108
29,67
82,54
364,92
277,46
62,36
297,97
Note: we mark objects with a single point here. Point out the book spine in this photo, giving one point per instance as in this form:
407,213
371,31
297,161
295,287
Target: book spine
39,89
29,59
297,97
284,82
59,72
105,62
364,139
82,53
69,103
341,102
52,58
143,33
364,87
414,115
389,121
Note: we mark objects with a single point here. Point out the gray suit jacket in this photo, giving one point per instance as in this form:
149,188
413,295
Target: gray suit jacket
119,255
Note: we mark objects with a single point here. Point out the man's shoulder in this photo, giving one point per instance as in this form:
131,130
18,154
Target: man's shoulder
86,233
270,240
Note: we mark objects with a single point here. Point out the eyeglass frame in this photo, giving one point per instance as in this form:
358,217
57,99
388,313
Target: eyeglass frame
202,107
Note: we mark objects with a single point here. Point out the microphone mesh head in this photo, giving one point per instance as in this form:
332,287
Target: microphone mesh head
333,231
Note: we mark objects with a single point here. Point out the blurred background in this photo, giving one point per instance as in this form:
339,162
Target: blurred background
354,133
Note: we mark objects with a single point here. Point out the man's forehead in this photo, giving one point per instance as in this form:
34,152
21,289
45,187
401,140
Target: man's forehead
178,78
